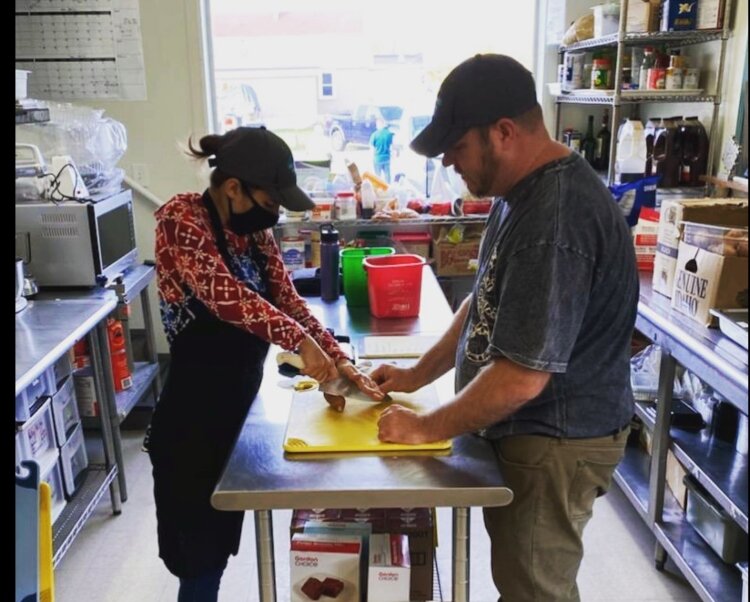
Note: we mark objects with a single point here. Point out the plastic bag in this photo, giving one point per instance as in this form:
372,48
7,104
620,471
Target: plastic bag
581,29
644,375
94,142
442,189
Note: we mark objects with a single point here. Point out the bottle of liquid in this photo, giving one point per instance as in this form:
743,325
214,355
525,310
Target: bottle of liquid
694,145
666,157
646,64
603,141
652,125
368,199
588,144
329,262
631,152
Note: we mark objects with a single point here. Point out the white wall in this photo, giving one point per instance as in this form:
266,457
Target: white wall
175,108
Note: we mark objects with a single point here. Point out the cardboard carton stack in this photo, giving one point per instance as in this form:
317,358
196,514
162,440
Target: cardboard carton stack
725,212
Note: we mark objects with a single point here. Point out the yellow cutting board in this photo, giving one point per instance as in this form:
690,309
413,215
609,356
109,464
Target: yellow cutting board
314,427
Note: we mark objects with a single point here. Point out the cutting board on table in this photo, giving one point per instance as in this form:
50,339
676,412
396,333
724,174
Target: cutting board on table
314,427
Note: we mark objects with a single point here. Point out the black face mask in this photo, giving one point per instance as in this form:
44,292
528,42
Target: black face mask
254,220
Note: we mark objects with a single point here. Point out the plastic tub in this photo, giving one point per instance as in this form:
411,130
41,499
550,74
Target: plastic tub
714,525
606,19
394,285
355,277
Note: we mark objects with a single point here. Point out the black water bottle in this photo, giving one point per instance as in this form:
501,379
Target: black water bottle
329,262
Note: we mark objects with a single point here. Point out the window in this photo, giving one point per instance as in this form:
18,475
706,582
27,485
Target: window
326,85
313,68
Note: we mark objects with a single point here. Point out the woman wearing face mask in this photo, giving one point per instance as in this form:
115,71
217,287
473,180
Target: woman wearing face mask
225,296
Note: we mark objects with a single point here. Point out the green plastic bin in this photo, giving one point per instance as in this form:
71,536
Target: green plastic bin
354,275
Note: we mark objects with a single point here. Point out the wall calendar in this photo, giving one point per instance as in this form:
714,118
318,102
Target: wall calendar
80,49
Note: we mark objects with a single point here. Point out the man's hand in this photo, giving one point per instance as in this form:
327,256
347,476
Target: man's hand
390,378
398,424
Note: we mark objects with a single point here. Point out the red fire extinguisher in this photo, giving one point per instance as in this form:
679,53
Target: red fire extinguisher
118,355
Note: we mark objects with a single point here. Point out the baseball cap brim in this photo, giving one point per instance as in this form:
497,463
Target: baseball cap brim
437,138
294,199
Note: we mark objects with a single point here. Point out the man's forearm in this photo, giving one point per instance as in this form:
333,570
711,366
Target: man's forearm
441,357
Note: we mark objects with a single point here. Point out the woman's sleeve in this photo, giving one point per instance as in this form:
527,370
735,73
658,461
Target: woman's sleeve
289,301
197,262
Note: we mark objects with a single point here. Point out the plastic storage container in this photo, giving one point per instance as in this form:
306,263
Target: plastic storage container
631,152
49,472
727,241
74,460
355,277
28,400
606,19
394,285
65,411
714,525
36,437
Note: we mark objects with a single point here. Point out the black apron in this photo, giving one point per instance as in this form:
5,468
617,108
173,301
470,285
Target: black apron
214,374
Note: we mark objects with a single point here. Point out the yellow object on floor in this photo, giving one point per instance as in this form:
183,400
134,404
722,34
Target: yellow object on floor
46,572
314,426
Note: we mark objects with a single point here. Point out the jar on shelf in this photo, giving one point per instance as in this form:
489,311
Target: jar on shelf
675,71
601,73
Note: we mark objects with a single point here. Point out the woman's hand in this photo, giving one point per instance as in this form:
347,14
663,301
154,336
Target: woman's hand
318,364
363,381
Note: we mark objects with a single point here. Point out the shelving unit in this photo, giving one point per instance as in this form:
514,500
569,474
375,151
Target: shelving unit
722,470
617,98
46,330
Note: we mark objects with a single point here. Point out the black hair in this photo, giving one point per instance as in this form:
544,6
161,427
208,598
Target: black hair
209,146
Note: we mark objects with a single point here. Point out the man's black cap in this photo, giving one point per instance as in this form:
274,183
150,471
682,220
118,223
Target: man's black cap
479,91
261,159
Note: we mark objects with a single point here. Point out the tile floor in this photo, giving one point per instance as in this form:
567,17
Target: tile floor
114,558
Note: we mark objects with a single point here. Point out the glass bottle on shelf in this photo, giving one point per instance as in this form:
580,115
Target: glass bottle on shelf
588,144
603,140
647,63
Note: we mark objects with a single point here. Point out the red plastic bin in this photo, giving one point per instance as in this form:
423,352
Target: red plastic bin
394,284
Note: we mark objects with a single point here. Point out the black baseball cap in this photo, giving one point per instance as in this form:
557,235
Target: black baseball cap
261,159
479,91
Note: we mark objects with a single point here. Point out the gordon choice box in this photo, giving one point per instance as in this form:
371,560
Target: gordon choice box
388,569
325,566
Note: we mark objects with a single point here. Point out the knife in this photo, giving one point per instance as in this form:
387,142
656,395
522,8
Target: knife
291,364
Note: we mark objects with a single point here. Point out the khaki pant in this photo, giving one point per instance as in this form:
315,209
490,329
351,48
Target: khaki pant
536,540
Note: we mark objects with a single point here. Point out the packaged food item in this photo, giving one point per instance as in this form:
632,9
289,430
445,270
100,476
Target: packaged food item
601,74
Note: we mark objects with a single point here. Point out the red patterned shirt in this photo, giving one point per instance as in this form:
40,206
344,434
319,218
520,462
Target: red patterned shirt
190,268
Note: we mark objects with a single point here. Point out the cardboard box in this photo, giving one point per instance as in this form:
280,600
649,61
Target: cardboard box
675,473
728,212
705,280
389,569
416,523
643,16
86,397
677,15
710,14
417,243
453,259
644,238
321,560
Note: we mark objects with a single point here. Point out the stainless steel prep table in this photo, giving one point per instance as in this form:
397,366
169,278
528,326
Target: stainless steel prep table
133,282
45,330
260,477
723,471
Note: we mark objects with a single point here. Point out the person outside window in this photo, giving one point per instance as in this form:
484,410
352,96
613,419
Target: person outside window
541,347
381,141
225,296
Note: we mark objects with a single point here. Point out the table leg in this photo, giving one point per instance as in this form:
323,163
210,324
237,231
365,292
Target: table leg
264,554
109,396
461,540
106,421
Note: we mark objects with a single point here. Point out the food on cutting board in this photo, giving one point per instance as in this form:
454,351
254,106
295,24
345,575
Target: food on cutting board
337,402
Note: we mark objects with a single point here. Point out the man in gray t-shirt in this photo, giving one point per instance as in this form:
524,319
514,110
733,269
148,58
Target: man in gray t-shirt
541,347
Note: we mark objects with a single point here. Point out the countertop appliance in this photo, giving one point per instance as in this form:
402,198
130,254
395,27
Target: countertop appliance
77,243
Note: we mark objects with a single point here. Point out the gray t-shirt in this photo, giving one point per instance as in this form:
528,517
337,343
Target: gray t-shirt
557,290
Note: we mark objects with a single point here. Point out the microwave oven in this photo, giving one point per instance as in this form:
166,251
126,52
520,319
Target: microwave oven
77,243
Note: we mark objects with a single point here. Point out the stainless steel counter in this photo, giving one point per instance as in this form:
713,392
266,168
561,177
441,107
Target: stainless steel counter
260,476
48,327
706,352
